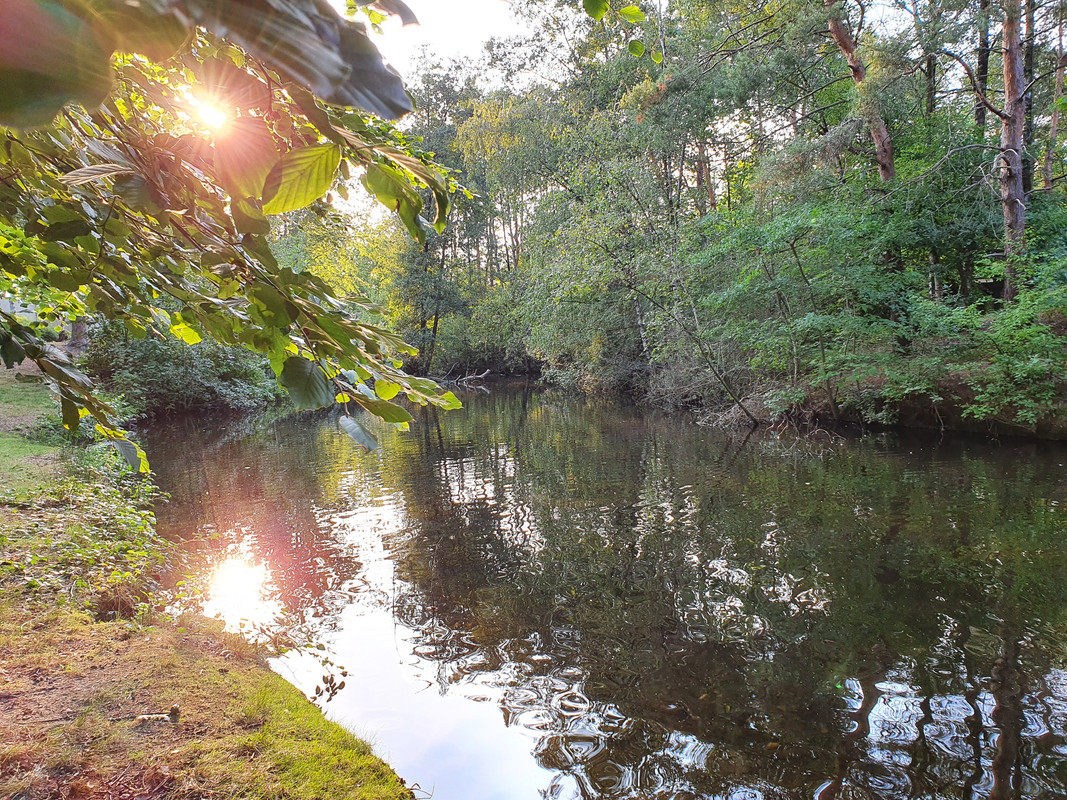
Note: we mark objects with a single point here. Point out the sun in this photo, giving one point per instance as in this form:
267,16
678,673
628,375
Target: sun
212,116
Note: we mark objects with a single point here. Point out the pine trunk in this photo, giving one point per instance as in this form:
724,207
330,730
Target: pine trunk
1013,124
883,144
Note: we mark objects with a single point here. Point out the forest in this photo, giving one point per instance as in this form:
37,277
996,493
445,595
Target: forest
794,212
790,210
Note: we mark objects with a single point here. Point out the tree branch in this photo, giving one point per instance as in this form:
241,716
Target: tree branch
974,84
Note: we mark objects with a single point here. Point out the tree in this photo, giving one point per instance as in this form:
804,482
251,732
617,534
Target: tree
152,207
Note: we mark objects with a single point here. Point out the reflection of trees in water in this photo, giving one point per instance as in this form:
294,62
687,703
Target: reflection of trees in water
674,615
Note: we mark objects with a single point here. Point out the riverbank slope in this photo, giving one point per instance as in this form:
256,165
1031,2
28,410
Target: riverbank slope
102,695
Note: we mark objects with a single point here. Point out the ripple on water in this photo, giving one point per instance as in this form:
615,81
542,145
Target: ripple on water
572,703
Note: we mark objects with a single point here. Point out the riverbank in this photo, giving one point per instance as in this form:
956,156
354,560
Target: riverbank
104,696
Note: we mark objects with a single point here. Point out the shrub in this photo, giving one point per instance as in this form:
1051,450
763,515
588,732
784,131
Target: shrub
155,376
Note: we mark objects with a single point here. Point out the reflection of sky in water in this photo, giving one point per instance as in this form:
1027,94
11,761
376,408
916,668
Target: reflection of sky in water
435,737
604,617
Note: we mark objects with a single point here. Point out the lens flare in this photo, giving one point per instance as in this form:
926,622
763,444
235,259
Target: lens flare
211,116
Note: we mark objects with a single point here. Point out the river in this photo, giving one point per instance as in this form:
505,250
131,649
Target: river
543,596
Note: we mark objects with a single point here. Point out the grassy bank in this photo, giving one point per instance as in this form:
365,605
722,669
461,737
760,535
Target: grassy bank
85,655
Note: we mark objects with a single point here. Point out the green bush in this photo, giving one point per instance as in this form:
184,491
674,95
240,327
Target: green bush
155,376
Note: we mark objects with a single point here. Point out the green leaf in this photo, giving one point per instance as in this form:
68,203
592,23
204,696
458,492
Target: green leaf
595,8
300,178
276,304
66,231
130,451
359,434
636,48
657,56
306,383
137,193
185,333
71,417
392,189
386,390
632,14
249,219
133,454
245,153
383,409
315,114
449,402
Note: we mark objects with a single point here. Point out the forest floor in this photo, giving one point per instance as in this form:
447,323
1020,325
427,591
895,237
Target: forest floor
138,705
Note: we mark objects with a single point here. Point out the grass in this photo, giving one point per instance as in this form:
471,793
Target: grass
242,730
24,464
84,651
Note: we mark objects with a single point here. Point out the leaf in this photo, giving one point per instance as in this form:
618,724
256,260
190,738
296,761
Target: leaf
306,383
137,193
71,417
449,402
383,409
245,153
185,333
66,231
392,189
632,14
636,48
315,114
300,177
312,46
595,8
51,57
657,57
398,9
386,390
276,304
133,454
225,84
359,434
130,451
95,172
248,219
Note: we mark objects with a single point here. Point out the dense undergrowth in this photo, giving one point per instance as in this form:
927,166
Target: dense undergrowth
154,376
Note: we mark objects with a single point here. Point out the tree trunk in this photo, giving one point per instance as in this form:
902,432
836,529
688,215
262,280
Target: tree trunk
1028,101
1054,123
1013,123
931,84
1007,691
981,74
883,144
79,336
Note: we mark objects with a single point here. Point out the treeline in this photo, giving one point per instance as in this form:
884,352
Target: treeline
790,208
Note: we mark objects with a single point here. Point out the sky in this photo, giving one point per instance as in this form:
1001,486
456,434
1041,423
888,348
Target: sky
447,28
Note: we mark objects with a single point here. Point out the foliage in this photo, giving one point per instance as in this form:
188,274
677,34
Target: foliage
107,551
712,229
155,376
125,210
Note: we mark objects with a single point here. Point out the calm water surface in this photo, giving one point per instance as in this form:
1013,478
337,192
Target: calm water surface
540,596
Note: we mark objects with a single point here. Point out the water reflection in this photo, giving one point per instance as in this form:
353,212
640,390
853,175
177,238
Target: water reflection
538,596
241,592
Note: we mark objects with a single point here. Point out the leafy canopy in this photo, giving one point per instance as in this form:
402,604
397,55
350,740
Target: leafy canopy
151,207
